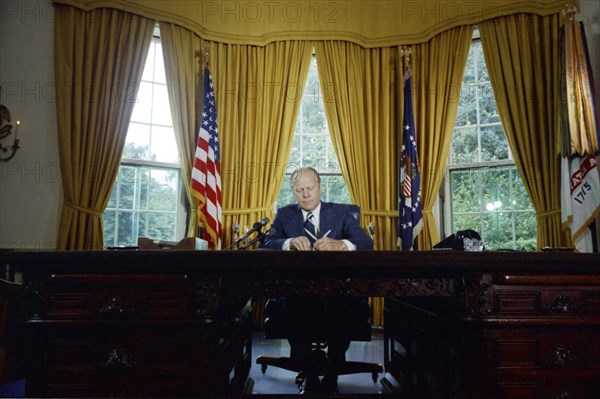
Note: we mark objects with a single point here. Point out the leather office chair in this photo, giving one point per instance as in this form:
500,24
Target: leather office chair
279,324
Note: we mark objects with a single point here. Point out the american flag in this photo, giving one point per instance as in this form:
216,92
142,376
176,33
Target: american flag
206,173
410,219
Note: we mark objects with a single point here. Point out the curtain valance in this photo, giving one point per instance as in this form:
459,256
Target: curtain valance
369,23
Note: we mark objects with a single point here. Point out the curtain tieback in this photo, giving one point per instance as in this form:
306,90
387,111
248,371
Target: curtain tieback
246,210
546,214
87,211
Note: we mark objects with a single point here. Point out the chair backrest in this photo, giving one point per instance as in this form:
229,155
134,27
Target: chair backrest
355,211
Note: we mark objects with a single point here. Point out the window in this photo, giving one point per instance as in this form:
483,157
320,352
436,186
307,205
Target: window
312,146
484,189
146,197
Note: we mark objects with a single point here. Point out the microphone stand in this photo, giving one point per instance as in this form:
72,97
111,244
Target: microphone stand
259,237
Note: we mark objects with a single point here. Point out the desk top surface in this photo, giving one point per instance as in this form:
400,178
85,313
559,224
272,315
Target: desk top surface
276,263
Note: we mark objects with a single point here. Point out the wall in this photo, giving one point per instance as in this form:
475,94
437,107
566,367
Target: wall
30,185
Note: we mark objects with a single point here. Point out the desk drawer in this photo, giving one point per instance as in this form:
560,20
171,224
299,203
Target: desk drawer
544,388
148,297
546,349
546,300
130,361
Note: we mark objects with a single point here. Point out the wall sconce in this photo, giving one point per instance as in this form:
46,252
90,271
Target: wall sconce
8,152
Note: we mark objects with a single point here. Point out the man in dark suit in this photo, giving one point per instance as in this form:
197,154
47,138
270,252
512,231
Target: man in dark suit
315,225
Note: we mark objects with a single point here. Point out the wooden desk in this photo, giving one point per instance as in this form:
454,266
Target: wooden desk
506,325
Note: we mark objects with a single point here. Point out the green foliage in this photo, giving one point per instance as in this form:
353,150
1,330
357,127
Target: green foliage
144,202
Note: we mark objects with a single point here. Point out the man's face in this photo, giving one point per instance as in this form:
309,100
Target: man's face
307,190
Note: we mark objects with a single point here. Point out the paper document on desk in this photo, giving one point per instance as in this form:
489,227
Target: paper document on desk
201,244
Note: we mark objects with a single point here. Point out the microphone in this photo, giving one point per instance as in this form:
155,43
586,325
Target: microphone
260,237
256,227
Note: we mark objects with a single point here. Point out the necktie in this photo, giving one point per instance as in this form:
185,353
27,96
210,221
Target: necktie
309,227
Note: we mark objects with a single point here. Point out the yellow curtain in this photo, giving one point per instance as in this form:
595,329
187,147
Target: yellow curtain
358,93
99,59
368,23
438,67
522,55
258,92
182,53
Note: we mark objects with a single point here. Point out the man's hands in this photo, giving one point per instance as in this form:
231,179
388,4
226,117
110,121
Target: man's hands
302,243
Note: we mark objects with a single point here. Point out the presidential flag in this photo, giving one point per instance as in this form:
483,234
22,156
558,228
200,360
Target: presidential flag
206,173
580,188
410,218
580,198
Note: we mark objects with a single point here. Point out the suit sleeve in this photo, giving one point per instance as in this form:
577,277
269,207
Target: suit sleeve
277,236
354,233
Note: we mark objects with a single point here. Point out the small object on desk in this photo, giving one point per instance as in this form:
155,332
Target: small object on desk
201,245
558,249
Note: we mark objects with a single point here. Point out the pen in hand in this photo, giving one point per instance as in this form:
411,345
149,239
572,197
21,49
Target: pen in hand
324,235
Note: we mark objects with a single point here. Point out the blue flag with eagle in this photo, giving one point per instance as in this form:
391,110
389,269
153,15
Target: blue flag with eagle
410,218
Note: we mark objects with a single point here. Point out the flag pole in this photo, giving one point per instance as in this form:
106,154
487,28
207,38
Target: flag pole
410,217
406,52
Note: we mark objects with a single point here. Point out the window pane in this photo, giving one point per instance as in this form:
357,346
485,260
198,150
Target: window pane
487,105
161,226
313,147
466,195
127,230
525,231
142,112
494,146
164,146
470,70
143,188
334,188
313,116
109,218
149,67
137,144
465,147
161,111
482,71
128,182
159,66
498,228
295,154
285,195
467,115
164,188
